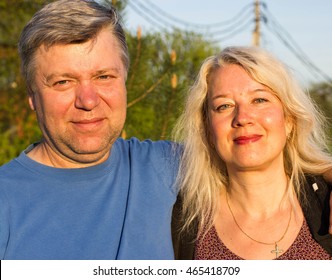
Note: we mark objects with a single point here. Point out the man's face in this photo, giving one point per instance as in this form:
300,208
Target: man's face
80,99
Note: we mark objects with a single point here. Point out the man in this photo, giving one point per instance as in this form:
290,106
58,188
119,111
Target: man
80,193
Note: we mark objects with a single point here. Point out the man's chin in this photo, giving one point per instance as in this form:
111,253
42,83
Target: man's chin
90,153
89,158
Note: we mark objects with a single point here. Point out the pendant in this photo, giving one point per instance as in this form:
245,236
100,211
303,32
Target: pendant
277,250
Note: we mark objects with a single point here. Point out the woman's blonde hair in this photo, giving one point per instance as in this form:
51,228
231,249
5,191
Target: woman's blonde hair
203,174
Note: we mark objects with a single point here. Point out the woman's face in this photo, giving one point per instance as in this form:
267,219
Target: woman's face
247,122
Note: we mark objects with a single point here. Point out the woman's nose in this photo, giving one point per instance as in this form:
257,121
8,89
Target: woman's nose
243,116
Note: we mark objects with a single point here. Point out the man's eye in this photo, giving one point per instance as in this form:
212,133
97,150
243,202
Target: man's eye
104,77
62,82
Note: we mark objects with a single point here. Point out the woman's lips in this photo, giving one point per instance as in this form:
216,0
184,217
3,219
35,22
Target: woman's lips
242,140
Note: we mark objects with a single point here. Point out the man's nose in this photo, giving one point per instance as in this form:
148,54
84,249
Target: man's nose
87,97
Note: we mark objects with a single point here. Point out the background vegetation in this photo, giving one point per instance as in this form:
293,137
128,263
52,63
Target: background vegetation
163,65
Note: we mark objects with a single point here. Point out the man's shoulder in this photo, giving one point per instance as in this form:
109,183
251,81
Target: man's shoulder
136,141
15,164
154,159
10,167
134,144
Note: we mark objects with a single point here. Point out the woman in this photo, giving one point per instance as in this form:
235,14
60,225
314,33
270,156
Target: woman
254,153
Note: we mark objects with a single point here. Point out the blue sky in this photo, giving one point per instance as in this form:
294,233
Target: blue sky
305,25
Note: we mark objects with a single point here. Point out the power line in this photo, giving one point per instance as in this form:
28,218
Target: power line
221,31
148,11
146,16
196,25
231,33
273,26
235,25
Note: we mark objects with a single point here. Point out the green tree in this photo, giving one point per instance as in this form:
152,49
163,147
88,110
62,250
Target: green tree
322,94
163,67
17,123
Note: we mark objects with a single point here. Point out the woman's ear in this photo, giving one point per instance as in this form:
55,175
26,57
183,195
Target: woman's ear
208,130
289,126
210,134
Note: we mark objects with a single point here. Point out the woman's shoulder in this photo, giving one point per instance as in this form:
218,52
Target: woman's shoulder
316,209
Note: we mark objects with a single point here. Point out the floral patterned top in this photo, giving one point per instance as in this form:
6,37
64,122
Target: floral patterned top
303,248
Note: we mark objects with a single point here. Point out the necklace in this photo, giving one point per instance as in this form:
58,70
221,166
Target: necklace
276,250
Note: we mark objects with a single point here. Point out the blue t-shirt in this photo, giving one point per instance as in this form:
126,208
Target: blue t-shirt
119,209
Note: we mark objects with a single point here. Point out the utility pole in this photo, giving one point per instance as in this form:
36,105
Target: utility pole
257,32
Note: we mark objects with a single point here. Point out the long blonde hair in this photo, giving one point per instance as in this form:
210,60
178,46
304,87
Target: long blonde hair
203,174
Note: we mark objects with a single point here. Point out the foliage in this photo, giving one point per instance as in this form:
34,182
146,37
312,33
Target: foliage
322,94
18,126
163,66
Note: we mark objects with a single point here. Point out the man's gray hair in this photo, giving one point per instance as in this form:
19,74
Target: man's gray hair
68,22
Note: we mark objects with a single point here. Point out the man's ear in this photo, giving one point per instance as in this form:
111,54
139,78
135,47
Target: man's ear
32,102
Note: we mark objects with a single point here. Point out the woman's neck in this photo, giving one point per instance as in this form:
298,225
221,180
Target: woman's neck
258,193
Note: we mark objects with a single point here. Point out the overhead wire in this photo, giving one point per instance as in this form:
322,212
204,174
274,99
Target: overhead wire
235,25
273,26
221,31
249,15
146,16
231,33
199,25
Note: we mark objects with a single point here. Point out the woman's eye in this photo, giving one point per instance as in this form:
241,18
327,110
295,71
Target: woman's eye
223,107
260,100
